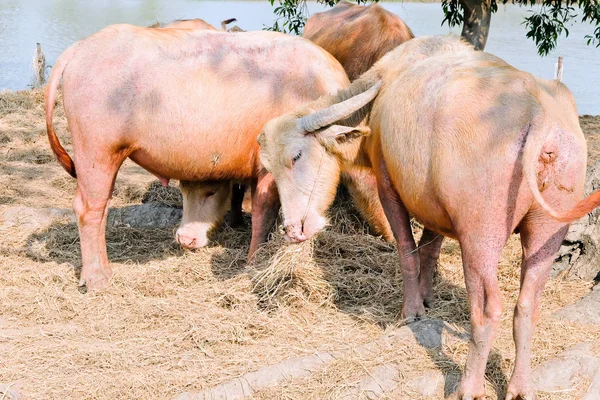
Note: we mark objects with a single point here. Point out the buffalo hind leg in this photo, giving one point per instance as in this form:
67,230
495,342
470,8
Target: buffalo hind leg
429,253
481,254
540,238
265,208
399,220
95,182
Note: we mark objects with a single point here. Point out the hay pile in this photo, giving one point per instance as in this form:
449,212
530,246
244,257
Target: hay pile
168,196
175,321
331,270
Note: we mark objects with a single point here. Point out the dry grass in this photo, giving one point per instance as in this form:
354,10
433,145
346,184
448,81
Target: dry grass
175,321
168,196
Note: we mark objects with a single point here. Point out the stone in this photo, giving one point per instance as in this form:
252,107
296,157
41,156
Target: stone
428,385
263,378
563,372
383,379
428,333
585,311
148,215
9,392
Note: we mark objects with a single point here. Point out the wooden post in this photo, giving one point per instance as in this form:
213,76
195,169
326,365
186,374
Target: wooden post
39,67
559,69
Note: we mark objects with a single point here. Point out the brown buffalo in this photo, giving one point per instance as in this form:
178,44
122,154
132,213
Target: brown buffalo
466,144
357,36
183,104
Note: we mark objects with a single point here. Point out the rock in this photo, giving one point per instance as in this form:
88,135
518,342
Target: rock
579,257
9,392
31,218
382,380
567,369
265,377
428,333
149,215
17,223
593,392
585,311
428,385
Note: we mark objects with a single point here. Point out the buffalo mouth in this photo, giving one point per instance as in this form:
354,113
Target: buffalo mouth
294,233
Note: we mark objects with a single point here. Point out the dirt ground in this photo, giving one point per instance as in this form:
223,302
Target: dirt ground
175,321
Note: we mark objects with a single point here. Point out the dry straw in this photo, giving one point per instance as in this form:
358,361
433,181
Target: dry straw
175,321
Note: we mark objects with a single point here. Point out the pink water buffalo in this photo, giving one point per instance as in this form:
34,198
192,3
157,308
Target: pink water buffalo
184,104
471,147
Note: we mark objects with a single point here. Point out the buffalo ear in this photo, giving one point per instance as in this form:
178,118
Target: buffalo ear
342,134
335,136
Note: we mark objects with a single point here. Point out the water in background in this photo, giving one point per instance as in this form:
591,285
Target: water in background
59,23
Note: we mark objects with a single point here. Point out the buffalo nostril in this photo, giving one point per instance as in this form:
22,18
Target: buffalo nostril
186,241
294,233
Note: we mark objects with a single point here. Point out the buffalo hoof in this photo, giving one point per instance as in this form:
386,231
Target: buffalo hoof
95,280
523,392
468,396
472,390
412,309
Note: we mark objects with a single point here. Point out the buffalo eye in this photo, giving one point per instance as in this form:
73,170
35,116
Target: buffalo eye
296,157
211,193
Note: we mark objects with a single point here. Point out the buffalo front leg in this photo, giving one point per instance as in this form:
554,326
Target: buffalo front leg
540,243
265,208
480,254
399,219
429,253
94,189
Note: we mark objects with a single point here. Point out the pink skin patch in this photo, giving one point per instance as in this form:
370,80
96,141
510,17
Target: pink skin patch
163,181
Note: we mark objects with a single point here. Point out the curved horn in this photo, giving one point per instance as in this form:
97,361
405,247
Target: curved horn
338,111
